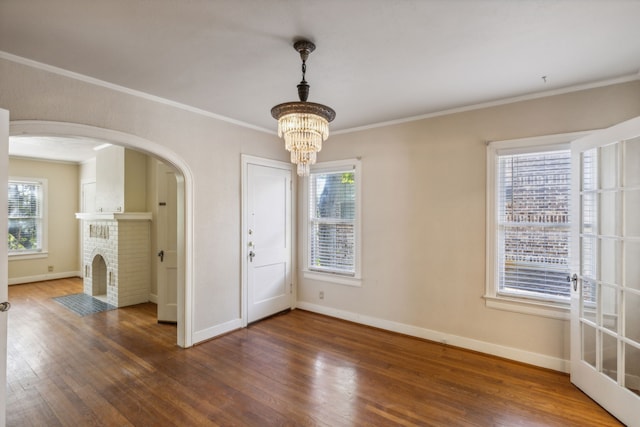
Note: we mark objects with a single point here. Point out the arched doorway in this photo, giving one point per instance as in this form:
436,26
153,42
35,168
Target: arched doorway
184,196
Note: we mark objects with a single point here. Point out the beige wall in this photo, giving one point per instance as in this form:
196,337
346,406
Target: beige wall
423,201
62,201
211,148
423,220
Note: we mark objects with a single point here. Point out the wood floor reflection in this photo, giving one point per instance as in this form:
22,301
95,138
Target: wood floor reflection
122,368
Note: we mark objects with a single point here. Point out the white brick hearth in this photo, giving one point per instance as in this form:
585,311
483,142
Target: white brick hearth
116,256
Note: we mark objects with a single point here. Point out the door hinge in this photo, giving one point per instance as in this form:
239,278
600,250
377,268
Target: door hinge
290,288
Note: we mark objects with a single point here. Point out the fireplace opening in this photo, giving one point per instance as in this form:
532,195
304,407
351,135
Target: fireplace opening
99,278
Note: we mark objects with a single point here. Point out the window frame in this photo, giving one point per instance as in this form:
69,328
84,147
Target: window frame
334,277
43,251
551,307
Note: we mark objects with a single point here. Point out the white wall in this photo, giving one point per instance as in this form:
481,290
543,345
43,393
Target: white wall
211,148
423,223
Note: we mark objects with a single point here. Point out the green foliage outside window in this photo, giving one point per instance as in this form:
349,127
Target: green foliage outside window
24,216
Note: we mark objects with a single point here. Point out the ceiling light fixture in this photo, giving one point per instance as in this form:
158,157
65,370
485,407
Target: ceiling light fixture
303,124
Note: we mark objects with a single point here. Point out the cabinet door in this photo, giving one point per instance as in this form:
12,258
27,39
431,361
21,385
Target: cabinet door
110,179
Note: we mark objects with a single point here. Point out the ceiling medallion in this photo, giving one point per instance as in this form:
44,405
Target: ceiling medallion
303,124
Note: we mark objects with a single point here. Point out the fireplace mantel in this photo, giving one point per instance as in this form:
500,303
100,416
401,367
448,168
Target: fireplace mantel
111,216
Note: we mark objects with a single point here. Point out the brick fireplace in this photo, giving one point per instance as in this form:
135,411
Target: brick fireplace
116,256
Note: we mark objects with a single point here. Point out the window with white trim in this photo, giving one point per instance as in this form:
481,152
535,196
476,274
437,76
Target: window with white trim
26,216
333,210
528,221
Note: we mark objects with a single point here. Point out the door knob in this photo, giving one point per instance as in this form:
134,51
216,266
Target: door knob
251,255
5,306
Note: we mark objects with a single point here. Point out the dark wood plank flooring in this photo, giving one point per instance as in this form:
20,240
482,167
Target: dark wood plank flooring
122,368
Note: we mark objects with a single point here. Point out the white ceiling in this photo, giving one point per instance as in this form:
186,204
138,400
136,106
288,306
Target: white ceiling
67,149
376,60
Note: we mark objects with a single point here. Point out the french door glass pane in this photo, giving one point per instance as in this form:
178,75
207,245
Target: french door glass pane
588,264
632,368
589,180
610,356
608,166
589,299
632,162
608,218
589,344
632,213
609,261
589,216
632,315
610,308
632,265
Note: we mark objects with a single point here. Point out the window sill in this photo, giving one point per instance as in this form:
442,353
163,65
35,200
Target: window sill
554,310
29,255
333,278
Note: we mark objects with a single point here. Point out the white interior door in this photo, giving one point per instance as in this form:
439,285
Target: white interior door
4,177
605,300
267,214
167,238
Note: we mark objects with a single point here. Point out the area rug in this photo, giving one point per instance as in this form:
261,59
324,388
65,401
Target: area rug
83,304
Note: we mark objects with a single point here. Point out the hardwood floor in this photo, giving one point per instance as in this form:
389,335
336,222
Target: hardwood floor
122,368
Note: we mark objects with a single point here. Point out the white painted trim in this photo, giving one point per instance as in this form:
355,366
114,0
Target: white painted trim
622,131
113,216
27,255
44,239
44,277
214,331
537,308
126,90
536,359
4,265
185,194
334,166
555,310
332,278
153,298
39,159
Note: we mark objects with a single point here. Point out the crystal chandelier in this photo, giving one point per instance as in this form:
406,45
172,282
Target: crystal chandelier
303,124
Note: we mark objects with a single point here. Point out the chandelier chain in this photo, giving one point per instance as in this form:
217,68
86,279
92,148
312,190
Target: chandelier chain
304,71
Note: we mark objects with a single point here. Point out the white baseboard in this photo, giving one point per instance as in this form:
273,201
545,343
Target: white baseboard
43,277
214,331
511,353
153,298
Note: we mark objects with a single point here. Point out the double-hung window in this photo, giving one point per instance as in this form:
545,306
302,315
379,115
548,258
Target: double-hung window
26,216
528,225
333,222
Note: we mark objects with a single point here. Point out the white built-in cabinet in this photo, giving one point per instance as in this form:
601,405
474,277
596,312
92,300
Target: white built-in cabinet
120,180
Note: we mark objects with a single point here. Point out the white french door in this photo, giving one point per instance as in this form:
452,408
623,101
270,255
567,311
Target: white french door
4,177
605,299
267,238
167,244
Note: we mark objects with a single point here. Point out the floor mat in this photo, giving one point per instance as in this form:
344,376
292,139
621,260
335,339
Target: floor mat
83,304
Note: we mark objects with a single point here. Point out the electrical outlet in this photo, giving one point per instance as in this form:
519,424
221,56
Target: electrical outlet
321,295
50,268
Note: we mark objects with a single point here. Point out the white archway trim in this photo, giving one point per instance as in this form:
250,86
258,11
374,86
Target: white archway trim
185,185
